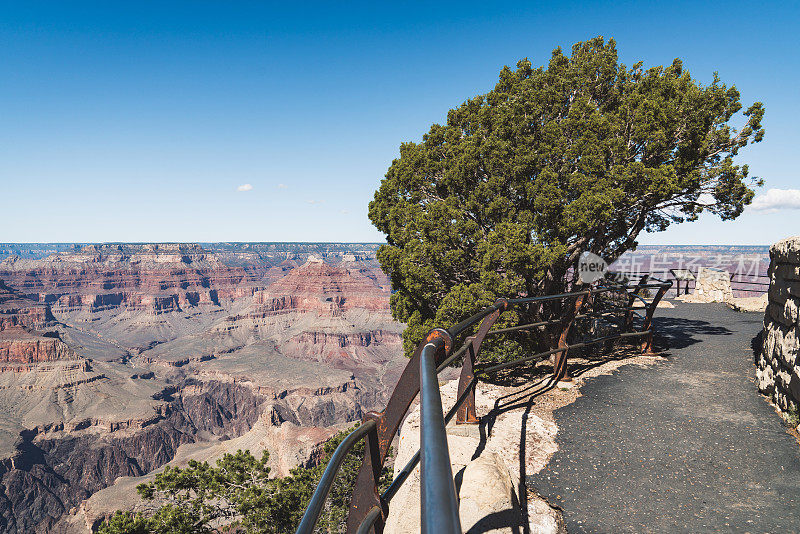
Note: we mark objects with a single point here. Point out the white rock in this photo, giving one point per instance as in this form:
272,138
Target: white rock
490,481
766,381
749,304
487,500
782,379
543,519
791,311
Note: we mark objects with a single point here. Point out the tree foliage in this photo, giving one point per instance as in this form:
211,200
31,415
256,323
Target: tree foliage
581,155
238,495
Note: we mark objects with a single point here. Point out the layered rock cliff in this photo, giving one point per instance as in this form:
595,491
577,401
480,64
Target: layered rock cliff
153,277
18,311
322,288
21,346
113,358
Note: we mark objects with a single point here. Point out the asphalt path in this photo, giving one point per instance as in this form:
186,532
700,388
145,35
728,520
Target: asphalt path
687,445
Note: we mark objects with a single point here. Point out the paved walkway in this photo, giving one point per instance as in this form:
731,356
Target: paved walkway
687,445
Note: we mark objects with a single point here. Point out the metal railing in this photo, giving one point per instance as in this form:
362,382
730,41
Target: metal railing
439,503
760,281
741,282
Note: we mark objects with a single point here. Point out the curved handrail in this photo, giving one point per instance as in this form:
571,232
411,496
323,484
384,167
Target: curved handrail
433,354
369,520
402,475
437,491
314,508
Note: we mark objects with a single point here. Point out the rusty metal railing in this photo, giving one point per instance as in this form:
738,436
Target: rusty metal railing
741,282
439,504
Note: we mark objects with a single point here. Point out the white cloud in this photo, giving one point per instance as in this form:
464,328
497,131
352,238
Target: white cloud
345,212
282,186
244,187
777,199
315,201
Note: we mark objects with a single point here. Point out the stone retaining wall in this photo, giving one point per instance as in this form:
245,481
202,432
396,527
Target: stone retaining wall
778,369
711,285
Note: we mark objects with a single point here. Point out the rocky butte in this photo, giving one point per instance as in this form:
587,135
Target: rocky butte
118,358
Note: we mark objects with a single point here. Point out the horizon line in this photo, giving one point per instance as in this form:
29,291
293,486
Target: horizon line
324,243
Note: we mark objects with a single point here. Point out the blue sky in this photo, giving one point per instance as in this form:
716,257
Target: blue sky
140,122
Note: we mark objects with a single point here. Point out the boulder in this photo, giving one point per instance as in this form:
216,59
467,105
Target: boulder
749,304
786,251
487,500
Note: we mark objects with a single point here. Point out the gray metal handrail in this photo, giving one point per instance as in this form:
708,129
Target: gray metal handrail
439,511
402,475
317,502
369,520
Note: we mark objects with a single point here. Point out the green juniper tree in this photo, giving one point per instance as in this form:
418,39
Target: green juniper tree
237,495
582,155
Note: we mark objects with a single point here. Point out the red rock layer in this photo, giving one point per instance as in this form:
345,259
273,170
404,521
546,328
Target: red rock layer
17,311
153,277
319,287
20,346
345,350
355,339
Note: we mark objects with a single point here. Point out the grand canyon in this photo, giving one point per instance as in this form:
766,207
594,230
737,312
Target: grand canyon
115,358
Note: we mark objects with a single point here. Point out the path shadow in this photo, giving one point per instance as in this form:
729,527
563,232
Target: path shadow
757,344
523,398
678,333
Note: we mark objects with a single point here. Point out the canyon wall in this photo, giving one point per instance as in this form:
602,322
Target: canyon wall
153,277
778,367
116,359
18,311
54,469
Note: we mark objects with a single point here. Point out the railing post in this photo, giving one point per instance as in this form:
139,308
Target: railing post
631,300
365,493
647,343
466,413
560,371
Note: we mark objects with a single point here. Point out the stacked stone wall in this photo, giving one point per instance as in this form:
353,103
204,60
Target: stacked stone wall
711,285
778,365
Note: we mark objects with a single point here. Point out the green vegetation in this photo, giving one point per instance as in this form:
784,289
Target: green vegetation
582,155
238,495
791,417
